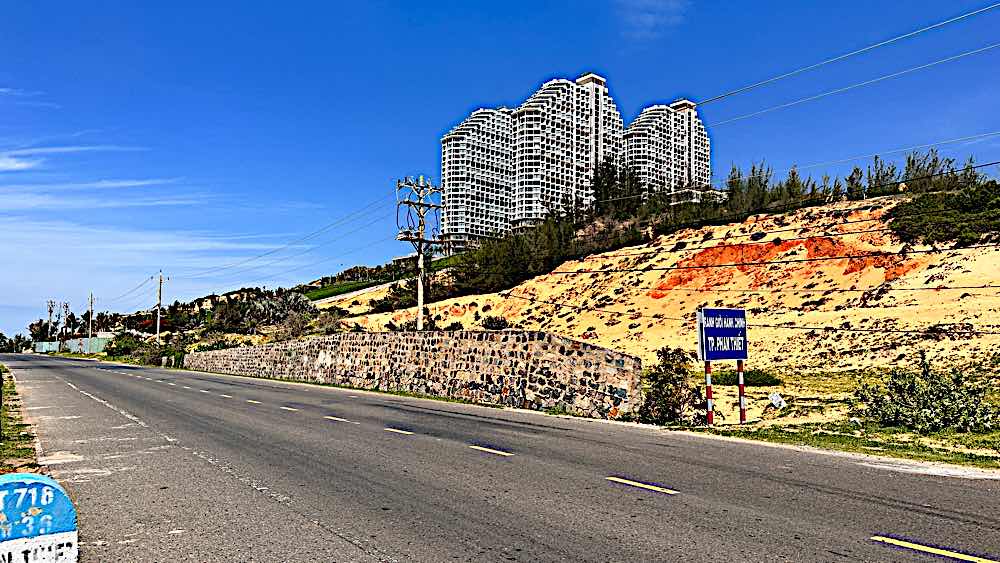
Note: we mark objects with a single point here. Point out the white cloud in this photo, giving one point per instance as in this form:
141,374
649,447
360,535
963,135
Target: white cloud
17,92
648,19
95,185
14,201
32,151
13,160
14,164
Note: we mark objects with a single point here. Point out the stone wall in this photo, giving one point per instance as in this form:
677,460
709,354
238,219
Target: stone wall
525,369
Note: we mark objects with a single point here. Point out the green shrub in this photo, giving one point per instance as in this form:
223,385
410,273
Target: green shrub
928,401
755,377
667,394
496,323
221,344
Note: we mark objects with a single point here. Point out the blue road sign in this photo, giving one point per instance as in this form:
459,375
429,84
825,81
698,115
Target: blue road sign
722,334
38,521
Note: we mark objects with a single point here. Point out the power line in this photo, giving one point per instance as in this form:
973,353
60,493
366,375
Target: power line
311,248
854,86
847,55
313,234
131,291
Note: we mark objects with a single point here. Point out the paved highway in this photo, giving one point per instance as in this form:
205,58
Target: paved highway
176,465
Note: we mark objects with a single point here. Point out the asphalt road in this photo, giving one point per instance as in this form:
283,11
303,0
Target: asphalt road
176,465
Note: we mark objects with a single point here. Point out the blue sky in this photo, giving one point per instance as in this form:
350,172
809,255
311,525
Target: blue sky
192,135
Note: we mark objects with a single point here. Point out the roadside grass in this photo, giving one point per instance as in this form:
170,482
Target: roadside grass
974,449
77,355
17,449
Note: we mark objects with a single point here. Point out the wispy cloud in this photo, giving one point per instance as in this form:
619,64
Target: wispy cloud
95,185
105,259
31,151
13,160
18,92
14,164
39,201
648,19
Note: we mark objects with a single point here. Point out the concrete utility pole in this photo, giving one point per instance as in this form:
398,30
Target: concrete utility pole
416,196
52,307
90,323
159,305
65,327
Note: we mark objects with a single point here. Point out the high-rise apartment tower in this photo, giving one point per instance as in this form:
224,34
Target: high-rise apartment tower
505,169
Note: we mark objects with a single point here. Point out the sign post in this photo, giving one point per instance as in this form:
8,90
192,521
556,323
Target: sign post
722,335
37,521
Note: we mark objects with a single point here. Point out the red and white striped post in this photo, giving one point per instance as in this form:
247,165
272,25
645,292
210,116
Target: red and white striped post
743,396
710,412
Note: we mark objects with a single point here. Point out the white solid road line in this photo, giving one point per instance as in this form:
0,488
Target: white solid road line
398,431
491,451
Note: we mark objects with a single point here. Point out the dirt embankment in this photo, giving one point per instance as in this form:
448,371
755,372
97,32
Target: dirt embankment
798,275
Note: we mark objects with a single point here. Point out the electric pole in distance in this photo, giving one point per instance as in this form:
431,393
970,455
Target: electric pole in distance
65,326
159,305
52,307
416,195
90,324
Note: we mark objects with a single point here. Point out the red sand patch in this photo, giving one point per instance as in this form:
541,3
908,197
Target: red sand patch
744,258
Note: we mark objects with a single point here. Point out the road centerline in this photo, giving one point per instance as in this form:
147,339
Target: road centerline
931,550
641,485
491,451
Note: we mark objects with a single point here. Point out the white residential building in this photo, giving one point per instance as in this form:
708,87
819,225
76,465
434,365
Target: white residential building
561,133
477,178
505,169
669,148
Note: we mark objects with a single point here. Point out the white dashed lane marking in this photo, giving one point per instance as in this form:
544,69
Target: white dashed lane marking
253,402
288,408
492,451
398,431
226,396
338,419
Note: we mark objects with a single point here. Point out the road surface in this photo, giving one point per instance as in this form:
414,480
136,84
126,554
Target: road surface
176,465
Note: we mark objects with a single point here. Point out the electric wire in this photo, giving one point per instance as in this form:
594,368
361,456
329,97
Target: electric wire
854,86
837,58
